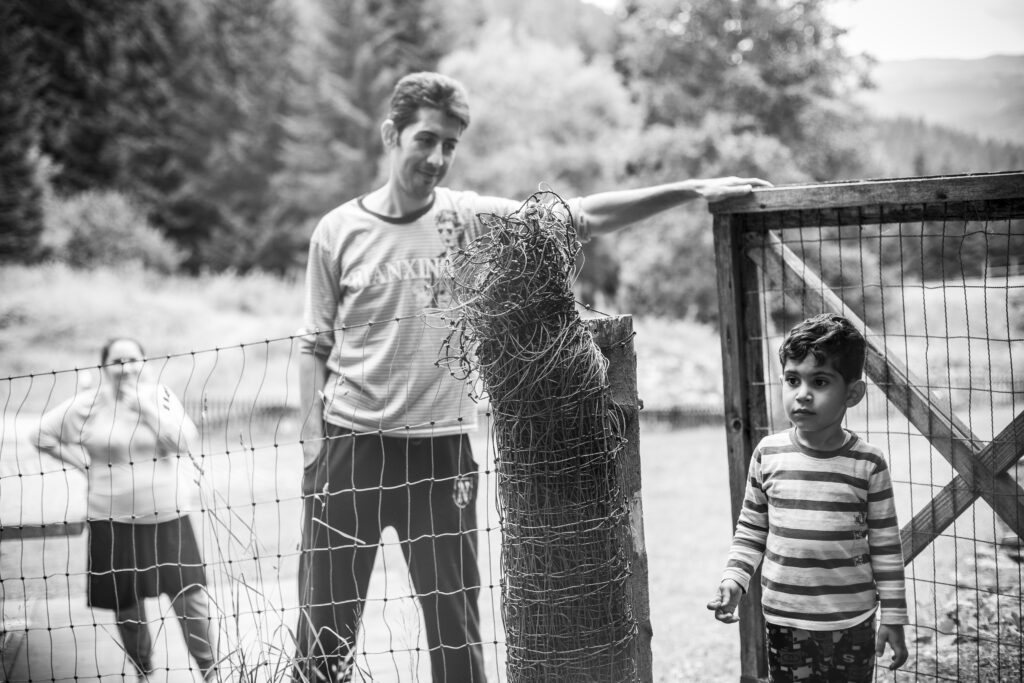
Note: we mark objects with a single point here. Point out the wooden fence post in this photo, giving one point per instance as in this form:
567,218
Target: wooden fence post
614,336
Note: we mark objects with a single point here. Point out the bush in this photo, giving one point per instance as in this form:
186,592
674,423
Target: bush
105,228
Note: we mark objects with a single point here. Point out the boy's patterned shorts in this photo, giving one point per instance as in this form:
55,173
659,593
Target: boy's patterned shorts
823,656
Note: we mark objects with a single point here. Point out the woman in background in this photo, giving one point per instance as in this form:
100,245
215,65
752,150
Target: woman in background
133,440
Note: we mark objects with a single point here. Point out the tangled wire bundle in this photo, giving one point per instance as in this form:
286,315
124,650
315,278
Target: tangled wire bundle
564,565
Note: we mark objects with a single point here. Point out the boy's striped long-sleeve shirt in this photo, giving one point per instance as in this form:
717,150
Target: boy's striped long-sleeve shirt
825,524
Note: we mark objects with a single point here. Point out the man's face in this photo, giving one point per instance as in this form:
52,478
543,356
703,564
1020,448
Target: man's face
423,151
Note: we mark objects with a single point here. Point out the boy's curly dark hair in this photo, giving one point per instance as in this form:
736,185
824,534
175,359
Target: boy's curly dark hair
830,338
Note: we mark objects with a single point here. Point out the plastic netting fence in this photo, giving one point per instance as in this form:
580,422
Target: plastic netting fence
932,270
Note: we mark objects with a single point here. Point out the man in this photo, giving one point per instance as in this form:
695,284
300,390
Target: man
385,427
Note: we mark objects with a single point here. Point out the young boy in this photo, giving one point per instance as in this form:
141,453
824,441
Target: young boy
819,510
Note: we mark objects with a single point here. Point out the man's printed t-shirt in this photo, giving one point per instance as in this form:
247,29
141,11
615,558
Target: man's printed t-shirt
825,524
374,297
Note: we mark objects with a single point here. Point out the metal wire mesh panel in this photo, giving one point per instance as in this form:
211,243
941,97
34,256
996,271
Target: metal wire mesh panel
159,514
239,486
931,272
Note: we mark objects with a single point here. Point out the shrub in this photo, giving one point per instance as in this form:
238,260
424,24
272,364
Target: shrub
98,228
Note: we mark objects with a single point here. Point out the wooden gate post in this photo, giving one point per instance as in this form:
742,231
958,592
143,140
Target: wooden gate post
746,411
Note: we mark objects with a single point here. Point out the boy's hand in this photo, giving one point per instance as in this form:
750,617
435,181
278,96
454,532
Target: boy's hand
724,604
892,634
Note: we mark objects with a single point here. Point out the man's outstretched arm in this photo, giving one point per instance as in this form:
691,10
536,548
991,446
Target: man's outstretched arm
609,211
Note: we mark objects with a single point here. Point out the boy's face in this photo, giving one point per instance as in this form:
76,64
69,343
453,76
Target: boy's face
816,397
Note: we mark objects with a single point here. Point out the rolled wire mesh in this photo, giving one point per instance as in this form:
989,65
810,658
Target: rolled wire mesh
557,438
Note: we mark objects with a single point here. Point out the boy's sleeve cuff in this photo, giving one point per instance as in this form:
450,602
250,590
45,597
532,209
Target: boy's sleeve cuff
894,618
739,577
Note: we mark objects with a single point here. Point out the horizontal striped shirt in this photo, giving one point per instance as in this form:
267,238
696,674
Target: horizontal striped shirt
825,525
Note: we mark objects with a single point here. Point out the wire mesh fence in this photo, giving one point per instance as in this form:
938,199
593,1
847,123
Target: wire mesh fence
245,511
936,282
930,270
244,503
140,495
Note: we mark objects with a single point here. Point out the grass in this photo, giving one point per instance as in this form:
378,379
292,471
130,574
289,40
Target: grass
687,526
53,317
231,335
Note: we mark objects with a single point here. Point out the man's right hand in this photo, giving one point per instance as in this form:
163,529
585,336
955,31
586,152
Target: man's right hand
312,377
312,443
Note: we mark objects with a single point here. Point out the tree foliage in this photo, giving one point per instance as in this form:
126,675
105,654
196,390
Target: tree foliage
769,61
232,126
95,228
20,192
75,45
667,265
334,146
775,67
246,77
748,88
543,116
903,147
174,102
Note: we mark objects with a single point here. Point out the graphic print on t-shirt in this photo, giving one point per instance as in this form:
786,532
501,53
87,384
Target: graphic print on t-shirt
453,236
424,276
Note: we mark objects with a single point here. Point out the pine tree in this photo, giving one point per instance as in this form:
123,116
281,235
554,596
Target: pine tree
228,152
20,194
75,44
334,147
163,107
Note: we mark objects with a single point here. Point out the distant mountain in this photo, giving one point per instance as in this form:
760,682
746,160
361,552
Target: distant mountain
984,97
903,147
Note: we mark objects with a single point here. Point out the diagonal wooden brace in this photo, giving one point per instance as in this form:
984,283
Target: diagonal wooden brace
947,434
957,496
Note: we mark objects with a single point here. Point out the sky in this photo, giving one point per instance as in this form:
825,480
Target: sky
913,29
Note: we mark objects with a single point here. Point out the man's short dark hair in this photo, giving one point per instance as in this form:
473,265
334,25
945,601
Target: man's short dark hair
830,339
428,89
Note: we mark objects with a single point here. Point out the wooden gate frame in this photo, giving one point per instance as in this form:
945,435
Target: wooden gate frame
748,250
